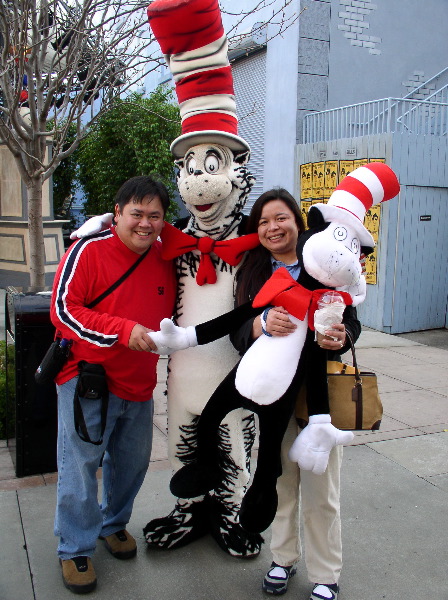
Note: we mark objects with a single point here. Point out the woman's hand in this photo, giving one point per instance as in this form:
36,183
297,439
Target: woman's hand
328,342
278,323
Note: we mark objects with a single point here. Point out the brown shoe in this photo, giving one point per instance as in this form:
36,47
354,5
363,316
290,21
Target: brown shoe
121,544
78,574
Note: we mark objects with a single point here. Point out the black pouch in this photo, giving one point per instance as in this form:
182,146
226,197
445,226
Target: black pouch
92,385
53,361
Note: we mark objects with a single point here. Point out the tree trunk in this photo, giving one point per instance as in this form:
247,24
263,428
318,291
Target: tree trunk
36,234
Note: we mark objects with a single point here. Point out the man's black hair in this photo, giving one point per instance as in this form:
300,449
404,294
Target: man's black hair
136,188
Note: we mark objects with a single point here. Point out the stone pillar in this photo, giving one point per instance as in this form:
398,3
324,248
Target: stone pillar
14,239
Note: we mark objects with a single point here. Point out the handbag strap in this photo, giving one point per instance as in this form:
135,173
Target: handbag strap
119,281
354,361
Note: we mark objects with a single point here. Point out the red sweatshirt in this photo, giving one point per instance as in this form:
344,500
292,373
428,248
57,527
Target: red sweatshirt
101,334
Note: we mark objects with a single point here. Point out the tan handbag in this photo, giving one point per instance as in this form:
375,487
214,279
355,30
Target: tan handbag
354,400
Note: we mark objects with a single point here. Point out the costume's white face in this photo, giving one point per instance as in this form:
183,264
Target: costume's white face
211,183
332,257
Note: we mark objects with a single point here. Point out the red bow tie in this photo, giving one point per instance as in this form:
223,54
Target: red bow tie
176,242
282,290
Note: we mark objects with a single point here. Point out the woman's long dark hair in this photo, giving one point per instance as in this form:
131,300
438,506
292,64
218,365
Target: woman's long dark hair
257,268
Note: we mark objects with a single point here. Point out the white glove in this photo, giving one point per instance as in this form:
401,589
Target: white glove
171,337
93,225
311,448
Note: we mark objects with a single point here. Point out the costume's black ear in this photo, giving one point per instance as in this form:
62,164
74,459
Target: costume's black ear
303,238
179,162
315,219
366,250
241,158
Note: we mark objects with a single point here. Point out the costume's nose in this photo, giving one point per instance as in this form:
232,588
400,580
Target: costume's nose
198,172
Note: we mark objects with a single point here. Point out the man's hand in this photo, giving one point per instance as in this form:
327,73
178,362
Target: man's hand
140,340
93,225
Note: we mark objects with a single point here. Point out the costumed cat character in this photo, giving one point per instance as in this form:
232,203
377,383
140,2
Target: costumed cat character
268,377
214,184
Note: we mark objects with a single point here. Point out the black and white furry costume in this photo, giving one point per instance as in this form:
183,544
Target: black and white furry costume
214,184
194,373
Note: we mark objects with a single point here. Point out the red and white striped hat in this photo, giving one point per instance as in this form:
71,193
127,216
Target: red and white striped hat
357,193
192,38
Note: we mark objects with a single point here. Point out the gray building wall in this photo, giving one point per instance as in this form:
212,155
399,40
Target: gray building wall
281,101
343,52
411,285
376,47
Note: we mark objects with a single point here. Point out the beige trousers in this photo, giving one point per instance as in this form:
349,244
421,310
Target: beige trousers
319,504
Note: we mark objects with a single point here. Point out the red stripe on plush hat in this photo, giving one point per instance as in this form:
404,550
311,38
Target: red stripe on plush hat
171,24
210,121
214,81
387,178
356,194
356,188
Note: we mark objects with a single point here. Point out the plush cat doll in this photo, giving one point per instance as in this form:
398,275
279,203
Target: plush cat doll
268,377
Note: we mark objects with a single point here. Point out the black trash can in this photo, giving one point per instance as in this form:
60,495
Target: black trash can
27,320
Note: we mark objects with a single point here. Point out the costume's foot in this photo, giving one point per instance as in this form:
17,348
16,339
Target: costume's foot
185,524
121,544
277,578
324,591
228,533
258,508
193,480
78,574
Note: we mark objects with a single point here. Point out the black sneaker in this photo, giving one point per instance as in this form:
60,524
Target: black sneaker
324,591
276,579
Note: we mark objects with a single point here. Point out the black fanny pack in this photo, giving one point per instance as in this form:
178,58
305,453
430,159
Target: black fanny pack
92,385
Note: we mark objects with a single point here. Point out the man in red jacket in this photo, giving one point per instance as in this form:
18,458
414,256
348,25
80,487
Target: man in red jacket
111,332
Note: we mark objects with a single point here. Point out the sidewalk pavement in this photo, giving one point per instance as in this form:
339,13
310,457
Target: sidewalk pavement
394,507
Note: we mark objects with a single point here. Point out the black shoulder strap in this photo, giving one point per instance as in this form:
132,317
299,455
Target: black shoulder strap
119,281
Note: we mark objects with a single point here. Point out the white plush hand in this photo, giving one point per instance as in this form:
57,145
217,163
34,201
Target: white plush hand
171,337
311,448
93,225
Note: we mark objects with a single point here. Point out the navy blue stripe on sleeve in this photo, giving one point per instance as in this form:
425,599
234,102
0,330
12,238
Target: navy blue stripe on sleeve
94,337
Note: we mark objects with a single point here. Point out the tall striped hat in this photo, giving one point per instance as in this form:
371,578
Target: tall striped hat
357,193
192,38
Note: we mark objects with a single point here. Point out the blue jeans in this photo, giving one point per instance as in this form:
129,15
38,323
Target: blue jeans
126,445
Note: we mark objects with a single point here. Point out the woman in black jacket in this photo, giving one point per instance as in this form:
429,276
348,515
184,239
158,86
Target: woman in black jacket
277,219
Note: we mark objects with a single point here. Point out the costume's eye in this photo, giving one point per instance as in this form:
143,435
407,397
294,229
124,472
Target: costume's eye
355,246
340,234
191,165
211,164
